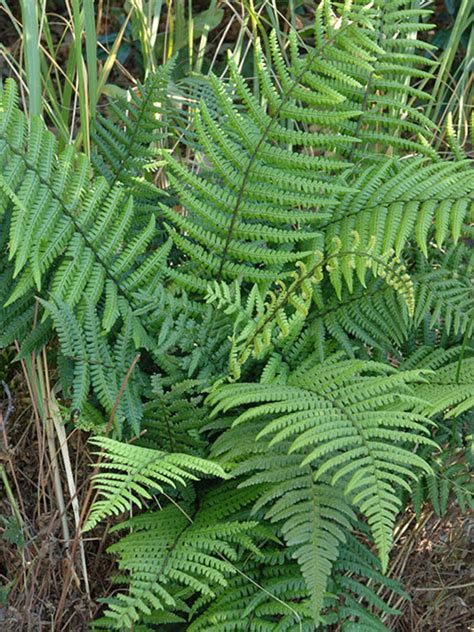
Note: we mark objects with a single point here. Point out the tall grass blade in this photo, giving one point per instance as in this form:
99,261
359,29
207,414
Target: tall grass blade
29,12
464,20
204,37
91,54
81,74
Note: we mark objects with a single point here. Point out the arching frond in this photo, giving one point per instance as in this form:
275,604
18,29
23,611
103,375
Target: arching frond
69,243
174,549
275,597
349,419
316,155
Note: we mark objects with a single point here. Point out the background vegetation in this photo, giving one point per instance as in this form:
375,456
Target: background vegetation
89,375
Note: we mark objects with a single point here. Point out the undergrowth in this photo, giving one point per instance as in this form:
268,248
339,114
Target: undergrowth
260,307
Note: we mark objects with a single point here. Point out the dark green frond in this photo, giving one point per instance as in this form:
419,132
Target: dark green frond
130,142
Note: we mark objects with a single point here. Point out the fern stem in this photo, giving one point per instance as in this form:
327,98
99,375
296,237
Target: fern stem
261,140
368,89
120,394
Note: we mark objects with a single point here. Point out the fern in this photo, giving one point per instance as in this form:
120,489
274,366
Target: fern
267,174
450,387
190,338
319,443
173,552
131,471
343,417
312,516
410,197
68,240
174,419
275,598
277,179
285,310
445,298
126,143
452,479
288,306
270,592
451,405
376,317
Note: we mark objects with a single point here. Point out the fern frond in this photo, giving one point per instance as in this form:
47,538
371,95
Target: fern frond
290,156
281,313
130,473
277,180
452,479
270,595
395,201
349,419
126,144
449,390
190,339
359,582
266,593
314,517
174,418
172,549
376,316
444,295
69,241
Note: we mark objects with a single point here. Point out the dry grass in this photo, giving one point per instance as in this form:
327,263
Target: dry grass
435,563
34,558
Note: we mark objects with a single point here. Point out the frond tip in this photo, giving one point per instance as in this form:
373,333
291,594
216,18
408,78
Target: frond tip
131,474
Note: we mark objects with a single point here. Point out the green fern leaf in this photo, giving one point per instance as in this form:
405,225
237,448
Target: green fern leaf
346,418
131,472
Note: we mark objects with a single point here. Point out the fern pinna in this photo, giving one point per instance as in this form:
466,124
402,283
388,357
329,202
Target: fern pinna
283,330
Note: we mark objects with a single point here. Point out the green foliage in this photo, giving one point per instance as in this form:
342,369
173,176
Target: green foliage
349,420
69,239
127,142
451,480
282,313
288,306
445,297
450,402
174,419
270,594
277,192
449,390
130,472
175,552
